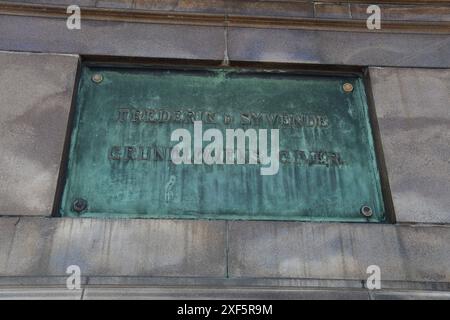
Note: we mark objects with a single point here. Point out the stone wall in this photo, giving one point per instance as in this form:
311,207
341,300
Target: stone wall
409,84
403,10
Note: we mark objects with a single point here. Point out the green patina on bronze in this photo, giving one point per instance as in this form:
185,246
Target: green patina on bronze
119,160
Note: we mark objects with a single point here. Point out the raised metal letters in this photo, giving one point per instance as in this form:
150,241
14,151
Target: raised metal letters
121,162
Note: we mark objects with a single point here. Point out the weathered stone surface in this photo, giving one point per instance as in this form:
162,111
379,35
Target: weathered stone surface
256,8
36,92
230,283
409,295
434,10
255,283
404,12
265,259
208,287
39,294
112,38
47,246
330,47
413,112
38,282
250,7
115,4
185,293
332,10
248,44
210,293
82,3
338,251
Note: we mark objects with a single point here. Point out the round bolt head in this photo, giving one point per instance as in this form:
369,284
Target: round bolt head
348,87
79,205
366,211
97,78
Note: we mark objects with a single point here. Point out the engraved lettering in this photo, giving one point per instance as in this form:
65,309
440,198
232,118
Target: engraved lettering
272,118
210,117
245,119
123,115
130,153
284,156
227,119
114,154
150,116
164,116
256,118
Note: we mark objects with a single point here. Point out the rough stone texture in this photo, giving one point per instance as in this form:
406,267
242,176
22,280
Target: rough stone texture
231,283
338,251
211,293
112,38
116,4
40,294
83,3
37,282
413,109
411,13
348,48
206,42
36,92
185,259
433,10
332,11
186,293
101,281
47,246
257,8
42,247
409,295
90,292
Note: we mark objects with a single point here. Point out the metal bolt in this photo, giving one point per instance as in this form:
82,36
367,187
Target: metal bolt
366,211
79,205
348,87
97,78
